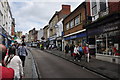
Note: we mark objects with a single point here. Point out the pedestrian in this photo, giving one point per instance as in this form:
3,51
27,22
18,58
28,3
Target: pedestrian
5,73
13,61
66,49
22,52
86,52
77,54
72,49
80,51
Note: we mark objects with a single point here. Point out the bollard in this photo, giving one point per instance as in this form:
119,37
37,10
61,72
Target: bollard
88,57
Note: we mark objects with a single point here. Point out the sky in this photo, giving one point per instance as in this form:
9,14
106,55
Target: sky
31,14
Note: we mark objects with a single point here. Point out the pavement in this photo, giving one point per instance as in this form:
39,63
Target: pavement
106,69
30,71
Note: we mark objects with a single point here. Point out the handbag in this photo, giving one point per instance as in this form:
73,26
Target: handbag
73,54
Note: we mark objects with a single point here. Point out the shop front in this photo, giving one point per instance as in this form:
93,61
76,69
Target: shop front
52,42
76,39
59,43
107,38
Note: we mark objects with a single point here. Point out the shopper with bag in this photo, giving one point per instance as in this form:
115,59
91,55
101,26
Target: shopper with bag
77,54
86,52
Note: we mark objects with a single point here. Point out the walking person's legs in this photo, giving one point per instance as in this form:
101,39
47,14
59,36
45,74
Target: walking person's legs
78,57
23,60
75,56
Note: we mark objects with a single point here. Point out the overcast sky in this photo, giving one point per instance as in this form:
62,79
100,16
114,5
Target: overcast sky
31,14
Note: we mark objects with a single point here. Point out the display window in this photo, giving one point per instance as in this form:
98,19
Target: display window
108,45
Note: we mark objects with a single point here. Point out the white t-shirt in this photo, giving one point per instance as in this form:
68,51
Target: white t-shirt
76,50
16,64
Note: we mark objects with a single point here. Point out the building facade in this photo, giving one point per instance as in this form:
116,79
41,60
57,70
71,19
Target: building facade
45,33
19,34
74,32
40,35
53,23
33,35
104,30
5,23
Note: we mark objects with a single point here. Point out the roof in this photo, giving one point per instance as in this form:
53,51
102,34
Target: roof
83,3
56,13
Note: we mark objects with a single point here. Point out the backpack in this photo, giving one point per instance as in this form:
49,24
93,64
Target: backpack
80,49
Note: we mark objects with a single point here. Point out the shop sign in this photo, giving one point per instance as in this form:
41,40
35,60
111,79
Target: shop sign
59,38
91,46
94,31
111,26
76,36
104,28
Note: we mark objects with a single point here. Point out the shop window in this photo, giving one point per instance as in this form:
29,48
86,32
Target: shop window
72,23
94,7
106,44
67,26
77,20
103,5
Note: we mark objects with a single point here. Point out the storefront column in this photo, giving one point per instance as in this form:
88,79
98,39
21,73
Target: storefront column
106,44
95,44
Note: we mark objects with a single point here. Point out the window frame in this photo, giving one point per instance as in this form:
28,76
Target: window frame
77,20
67,26
94,7
72,23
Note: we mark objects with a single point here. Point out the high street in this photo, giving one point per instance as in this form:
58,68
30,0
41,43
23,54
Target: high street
51,66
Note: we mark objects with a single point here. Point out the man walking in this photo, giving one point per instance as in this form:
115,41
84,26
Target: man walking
5,73
22,52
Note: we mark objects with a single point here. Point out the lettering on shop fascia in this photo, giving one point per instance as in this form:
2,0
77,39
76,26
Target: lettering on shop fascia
110,29
111,26
72,37
113,33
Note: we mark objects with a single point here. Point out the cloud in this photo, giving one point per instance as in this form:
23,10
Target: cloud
31,14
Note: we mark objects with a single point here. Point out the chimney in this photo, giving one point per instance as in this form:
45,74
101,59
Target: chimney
66,9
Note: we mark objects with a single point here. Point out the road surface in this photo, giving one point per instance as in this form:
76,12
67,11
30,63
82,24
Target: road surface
51,66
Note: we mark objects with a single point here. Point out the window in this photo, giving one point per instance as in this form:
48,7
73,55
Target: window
94,7
103,5
80,18
77,20
72,23
67,26
1,15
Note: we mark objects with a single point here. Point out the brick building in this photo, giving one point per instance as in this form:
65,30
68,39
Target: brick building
74,32
104,30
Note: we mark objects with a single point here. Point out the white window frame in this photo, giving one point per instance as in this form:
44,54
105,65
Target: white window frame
67,26
95,16
77,20
72,23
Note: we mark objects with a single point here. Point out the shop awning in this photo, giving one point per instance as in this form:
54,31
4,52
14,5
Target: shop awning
5,36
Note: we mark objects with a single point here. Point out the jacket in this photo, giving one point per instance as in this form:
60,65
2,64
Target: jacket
6,73
22,51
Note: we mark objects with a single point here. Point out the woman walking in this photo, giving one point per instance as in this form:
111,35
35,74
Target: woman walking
13,61
22,52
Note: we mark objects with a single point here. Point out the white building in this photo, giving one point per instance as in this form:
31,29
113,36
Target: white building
5,22
5,16
98,8
26,37
40,34
59,39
